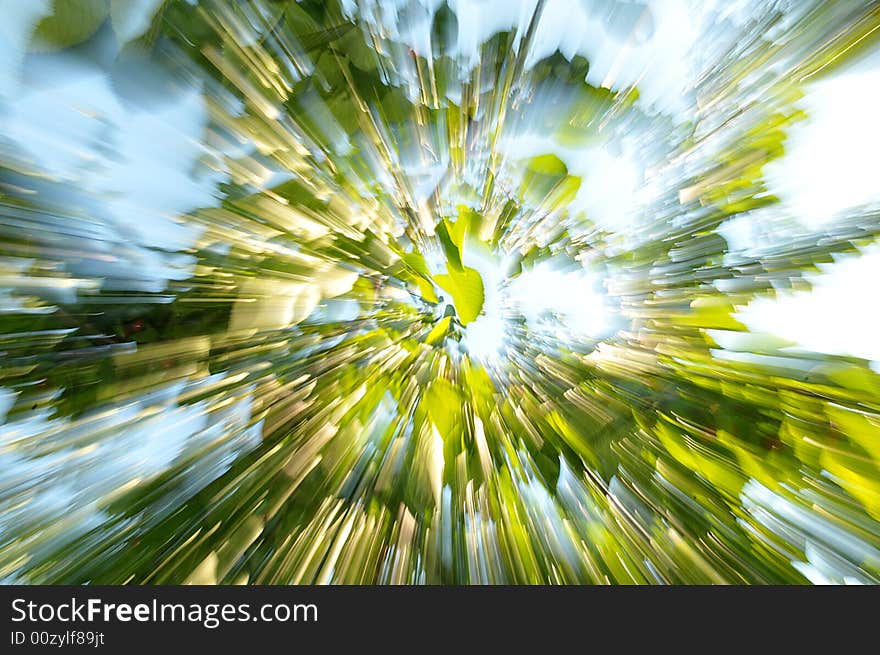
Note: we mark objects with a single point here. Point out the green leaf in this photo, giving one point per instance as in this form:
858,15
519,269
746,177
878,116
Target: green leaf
416,262
564,192
466,288
469,222
458,232
418,272
427,290
549,165
444,30
546,181
443,402
71,22
450,248
439,331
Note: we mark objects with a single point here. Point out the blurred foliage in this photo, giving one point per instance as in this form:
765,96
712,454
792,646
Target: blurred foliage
385,451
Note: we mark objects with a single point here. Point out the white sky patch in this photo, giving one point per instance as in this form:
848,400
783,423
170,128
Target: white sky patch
652,44
132,165
20,19
486,336
627,44
839,316
608,186
751,232
610,183
560,300
131,18
565,304
832,158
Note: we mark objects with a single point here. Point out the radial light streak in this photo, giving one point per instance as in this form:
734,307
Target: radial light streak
439,292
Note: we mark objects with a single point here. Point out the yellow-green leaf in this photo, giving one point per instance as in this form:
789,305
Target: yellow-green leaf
439,331
71,22
466,288
426,289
